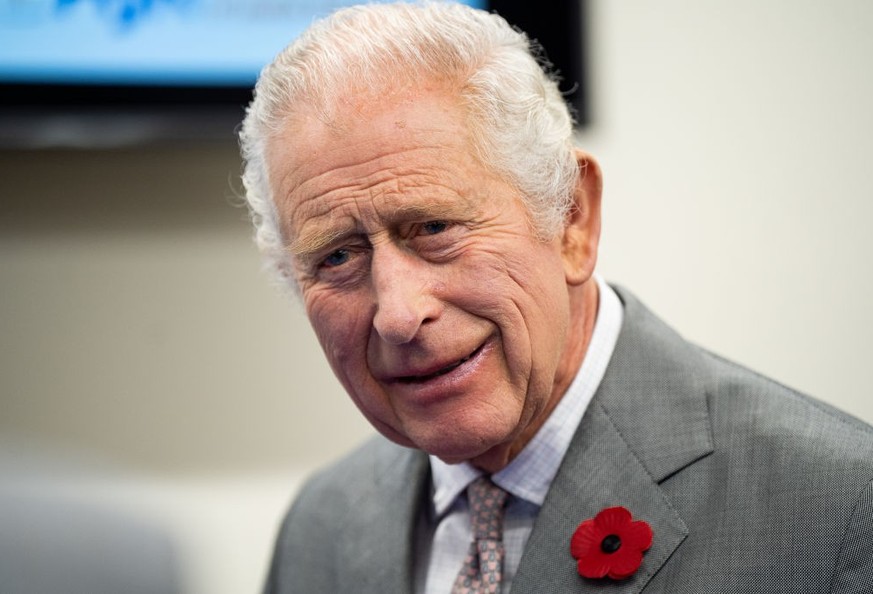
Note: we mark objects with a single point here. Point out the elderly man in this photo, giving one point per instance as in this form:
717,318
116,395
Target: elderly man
410,171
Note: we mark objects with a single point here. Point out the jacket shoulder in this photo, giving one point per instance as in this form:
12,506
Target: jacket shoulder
344,498
746,404
775,487
343,484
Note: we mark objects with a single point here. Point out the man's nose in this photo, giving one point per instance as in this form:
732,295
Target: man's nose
402,285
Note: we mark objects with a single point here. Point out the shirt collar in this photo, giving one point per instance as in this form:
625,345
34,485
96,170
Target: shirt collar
530,474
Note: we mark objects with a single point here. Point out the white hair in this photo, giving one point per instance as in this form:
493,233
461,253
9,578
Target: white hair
519,122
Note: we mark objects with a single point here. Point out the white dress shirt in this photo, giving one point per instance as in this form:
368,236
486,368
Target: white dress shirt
443,535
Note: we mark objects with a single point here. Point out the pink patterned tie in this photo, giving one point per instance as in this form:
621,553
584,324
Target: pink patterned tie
483,567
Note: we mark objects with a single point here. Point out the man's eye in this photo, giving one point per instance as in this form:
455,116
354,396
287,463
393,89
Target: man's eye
434,227
337,258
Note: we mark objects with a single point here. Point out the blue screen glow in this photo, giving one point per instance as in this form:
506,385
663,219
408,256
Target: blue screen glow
165,42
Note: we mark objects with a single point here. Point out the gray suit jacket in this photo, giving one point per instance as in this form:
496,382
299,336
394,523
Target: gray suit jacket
748,486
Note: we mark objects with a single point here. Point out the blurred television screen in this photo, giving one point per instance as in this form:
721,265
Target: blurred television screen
149,42
68,65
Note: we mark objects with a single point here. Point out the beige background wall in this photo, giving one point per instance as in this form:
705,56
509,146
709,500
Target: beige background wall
139,331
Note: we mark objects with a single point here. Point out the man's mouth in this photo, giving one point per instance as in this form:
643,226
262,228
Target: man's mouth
411,379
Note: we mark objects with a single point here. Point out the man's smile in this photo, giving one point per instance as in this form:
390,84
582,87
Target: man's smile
425,376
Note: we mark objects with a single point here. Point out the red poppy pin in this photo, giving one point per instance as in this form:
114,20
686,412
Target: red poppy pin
610,544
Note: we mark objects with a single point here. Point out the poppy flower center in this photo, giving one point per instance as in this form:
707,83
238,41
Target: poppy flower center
610,544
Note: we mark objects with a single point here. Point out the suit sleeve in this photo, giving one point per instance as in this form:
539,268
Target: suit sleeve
854,570
272,585
303,554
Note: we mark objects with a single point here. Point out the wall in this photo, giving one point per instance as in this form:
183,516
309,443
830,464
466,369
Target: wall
735,139
142,343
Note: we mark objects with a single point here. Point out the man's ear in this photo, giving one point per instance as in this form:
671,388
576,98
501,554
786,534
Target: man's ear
582,228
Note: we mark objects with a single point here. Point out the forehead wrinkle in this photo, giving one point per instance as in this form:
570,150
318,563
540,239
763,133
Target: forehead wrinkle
321,221
422,194
318,235
289,182
398,192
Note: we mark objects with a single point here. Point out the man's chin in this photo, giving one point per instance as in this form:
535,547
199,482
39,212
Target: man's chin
487,456
453,451
486,447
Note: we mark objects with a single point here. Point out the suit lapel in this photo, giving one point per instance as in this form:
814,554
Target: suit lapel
386,518
647,421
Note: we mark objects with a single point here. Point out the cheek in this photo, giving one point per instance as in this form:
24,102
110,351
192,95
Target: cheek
526,297
515,284
341,326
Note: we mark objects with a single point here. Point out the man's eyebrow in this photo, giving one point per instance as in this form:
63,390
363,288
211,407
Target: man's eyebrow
307,244
431,210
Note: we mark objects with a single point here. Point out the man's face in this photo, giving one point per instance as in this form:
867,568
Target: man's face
439,310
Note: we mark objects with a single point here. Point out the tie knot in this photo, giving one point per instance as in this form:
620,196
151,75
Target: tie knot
486,509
